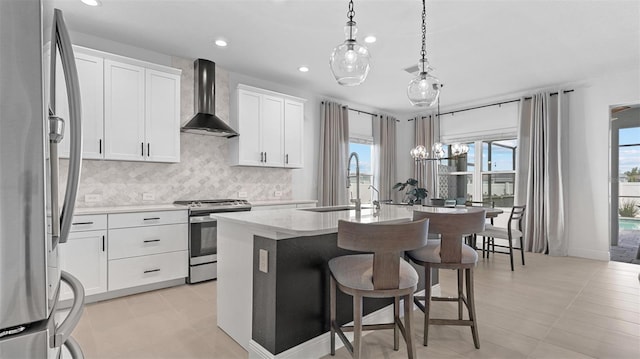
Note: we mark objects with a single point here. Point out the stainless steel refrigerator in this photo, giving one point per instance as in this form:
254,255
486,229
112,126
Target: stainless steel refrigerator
32,223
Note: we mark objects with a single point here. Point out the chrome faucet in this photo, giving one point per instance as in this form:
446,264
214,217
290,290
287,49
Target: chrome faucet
376,204
357,199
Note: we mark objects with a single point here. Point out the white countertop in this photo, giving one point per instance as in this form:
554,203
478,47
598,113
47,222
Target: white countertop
299,222
281,202
127,209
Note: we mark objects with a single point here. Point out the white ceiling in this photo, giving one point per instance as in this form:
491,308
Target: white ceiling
480,49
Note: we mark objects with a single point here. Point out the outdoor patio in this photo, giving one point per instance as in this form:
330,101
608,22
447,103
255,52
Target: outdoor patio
627,249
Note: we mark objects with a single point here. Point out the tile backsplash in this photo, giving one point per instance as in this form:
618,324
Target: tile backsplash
203,171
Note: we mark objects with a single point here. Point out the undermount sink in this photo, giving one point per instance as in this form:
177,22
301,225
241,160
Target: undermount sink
332,208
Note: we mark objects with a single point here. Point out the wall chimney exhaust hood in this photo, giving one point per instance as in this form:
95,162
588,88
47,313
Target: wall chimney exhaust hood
205,122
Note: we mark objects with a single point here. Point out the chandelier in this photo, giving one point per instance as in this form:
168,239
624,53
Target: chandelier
349,61
419,153
424,89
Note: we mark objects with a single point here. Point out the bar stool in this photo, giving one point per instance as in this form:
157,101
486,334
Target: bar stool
382,274
449,252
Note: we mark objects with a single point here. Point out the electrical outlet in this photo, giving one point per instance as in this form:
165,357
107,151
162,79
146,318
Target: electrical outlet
242,194
148,197
263,262
92,198
277,194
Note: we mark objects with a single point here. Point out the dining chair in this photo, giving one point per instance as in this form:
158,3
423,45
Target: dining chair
449,252
510,233
471,239
383,274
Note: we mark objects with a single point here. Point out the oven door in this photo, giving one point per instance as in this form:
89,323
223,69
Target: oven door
203,246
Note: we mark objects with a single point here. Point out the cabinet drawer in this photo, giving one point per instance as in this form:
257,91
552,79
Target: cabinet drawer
132,272
140,219
140,241
89,222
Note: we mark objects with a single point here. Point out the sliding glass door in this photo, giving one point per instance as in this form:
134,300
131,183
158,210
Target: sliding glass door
625,184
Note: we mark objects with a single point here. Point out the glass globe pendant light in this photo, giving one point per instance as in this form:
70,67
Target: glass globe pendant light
425,88
349,61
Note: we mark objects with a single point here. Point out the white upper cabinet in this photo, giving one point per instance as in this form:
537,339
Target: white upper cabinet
249,152
124,111
270,126
271,129
130,108
90,77
293,133
162,116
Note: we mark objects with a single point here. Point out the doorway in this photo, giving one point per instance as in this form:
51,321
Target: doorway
625,183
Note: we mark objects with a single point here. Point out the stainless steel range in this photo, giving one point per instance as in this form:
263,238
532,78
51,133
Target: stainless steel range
203,237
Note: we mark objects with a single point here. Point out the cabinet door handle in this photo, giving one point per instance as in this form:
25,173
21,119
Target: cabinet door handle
151,240
148,149
103,246
265,157
151,219
142,148
81,223
151,271
261,156
100,146
286,158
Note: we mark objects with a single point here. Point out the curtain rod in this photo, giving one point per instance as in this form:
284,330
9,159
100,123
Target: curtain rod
492,104
353,109
360,111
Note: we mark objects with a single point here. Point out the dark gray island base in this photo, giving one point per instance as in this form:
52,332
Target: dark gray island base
291,300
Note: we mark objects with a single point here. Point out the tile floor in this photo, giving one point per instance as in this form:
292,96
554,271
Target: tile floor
551,308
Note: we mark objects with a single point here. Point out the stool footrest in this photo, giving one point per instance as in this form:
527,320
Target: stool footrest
444,299
342,337
450,322
349,328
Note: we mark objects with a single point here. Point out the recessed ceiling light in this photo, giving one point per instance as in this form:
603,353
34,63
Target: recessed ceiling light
92,2
303,69
221,43
370,39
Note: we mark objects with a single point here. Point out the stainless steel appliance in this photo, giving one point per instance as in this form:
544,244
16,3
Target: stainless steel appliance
203,235
32,224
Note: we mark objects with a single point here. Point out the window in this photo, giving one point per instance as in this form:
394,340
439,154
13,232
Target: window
493,180
361,142
364,149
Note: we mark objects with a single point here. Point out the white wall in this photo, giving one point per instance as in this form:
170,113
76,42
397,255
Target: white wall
588,222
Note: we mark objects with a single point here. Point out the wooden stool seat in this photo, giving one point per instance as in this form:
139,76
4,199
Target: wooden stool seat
355,273
431,253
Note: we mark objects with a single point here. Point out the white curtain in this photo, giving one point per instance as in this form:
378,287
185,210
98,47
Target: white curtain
385,159
427,132
540,171
334,152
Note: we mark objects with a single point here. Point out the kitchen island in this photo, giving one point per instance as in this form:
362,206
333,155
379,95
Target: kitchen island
272,294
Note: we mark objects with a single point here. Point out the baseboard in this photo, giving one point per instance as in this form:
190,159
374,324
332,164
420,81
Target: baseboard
590,254
321,345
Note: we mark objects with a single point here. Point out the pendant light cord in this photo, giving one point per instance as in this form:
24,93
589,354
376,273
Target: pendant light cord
424,34
350,14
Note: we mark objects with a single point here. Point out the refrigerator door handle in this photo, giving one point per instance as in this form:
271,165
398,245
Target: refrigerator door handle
63,332
74,348
60,37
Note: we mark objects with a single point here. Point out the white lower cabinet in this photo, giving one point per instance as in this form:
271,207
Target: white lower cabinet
109,252
136,271
84,255
147,247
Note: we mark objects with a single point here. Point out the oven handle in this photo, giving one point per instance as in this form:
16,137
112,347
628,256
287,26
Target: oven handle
201,219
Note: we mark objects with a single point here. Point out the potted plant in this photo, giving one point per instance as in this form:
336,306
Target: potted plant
414,194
